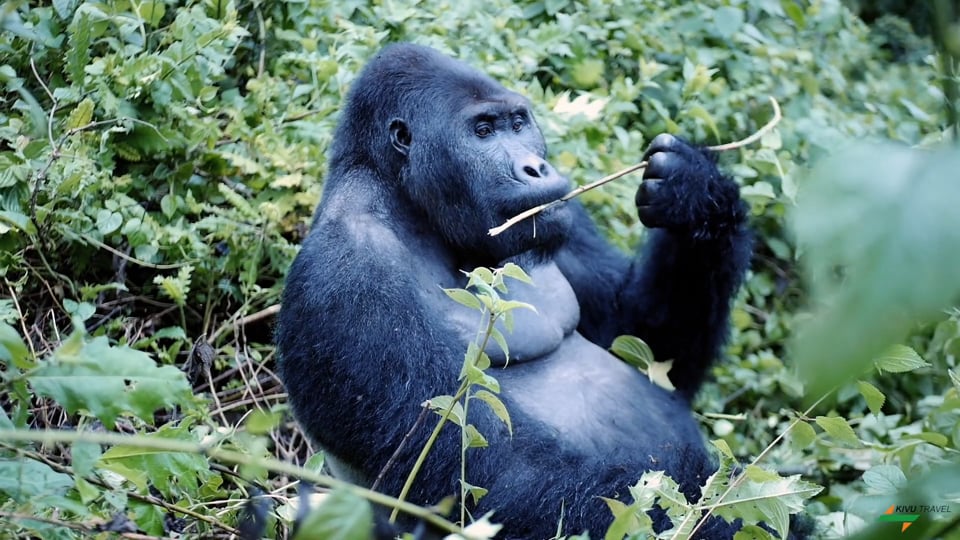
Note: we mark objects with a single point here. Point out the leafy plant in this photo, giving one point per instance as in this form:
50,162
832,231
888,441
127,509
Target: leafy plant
475,382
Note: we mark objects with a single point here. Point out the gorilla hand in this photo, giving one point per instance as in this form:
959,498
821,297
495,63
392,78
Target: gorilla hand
683,191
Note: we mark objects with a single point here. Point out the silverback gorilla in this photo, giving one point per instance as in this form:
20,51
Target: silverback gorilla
429,154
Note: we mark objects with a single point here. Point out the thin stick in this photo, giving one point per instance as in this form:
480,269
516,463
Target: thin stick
633,168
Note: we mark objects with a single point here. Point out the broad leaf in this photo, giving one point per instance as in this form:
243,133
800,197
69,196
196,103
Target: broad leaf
342,516
109,381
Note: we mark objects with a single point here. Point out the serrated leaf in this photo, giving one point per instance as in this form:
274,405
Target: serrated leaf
497,406
838,429
81,115
78,55
109,381
900,359
884,479
342,516
874,397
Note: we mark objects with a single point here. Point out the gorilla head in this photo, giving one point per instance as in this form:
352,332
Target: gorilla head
464,150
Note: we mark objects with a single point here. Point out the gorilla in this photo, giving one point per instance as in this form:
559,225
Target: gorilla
428,155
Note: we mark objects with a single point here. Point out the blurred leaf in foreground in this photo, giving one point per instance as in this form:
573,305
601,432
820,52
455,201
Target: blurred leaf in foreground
880,227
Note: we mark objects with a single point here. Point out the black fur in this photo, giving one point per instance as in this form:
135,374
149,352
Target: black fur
429,154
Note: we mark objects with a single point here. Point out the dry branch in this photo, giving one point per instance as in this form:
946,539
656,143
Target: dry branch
633,168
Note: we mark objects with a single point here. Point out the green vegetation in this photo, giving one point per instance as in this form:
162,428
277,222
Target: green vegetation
160,160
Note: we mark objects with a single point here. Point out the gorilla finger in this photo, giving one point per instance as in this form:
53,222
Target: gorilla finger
662,165
651,217
663,142
648,191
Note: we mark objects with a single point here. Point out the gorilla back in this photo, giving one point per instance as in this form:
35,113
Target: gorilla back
428,155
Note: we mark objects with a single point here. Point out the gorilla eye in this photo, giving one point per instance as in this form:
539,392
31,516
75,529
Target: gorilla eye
518,123
483,129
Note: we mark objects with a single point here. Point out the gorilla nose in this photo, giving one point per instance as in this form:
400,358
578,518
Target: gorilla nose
532,168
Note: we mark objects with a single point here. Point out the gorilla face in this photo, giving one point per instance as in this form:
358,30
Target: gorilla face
473,156
494,170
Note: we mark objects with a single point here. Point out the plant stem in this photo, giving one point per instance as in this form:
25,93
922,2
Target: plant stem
47,437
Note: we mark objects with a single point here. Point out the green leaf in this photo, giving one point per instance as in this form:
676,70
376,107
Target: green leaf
24,479
12,348
108,221
727,20
81,115
169,472
802,435
633,351
475,492
109,381
884,479
626,519
261,422
464,298
342,516
151,12
872,395
900,359
84,456
497,406
17,221
587,73
794,11
441,404
514,271
474,438
838,429
883,214
78,54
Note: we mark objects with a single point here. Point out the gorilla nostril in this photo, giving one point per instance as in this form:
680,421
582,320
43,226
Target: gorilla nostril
530,171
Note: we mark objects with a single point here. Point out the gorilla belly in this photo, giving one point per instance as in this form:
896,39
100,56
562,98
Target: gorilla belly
590,400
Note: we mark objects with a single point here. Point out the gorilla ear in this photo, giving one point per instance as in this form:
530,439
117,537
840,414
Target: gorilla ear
400,136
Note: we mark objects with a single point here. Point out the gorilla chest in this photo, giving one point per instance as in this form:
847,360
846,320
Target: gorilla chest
536,332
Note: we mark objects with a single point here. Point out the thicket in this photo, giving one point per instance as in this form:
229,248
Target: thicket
159,162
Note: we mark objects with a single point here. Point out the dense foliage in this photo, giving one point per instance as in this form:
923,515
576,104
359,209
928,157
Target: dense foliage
159,162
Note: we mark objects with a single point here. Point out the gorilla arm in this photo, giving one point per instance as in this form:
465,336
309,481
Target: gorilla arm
675,293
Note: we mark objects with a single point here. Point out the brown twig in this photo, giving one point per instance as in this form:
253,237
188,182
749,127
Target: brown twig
633,168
